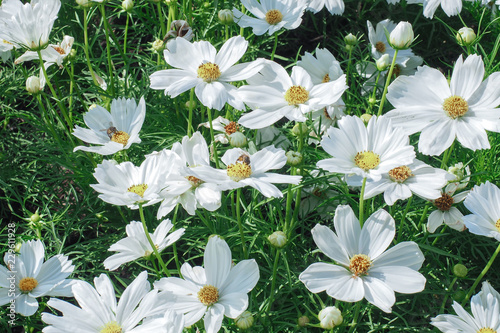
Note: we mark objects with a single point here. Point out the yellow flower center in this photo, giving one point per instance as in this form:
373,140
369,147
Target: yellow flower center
455,106
59,49
138,189
296,95
194,181
367,160
326,78
27,284
444,203
147,253
209,72
486,330
274,16
120,137
231,128
400,174
111,327
497,225
208,295
239,171
360,264
380,47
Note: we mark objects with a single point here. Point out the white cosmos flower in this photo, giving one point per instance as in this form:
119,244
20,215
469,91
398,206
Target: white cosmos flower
217,290
273,94
462,109
380,45
112,131
446,213
53,54
450,7
99,311
245,169
28,25
184,188
485,307
400,182
125,184
33,277
198,65
367,151
136,244
271,15
365,269
484,203
335,7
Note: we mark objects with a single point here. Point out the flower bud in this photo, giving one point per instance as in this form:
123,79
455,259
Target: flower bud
33,85
127,5
244,320
372,100
293,158
298,127
460,270
72,55
158,45
351,39
35,218
466,36
303,321
402,36
366,117
17,249
85,3
330,317
277,239
226,16
383,62
191,104
238,140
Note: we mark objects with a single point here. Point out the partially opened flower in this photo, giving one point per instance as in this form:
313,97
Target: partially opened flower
367,151
112,131
447,213
463,109
485,317
484,203
99,311
53,54
225,128
335,7
273,94
136,244
198,65
216,290
364,268
402,36
380,46
28,25
33,277
271,15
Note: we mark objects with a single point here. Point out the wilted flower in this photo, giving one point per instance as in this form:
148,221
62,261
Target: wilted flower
179,28
446,213
53,54
402,36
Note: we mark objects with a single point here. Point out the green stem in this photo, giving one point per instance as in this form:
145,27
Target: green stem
424,214
125,36
240,224
216,156
441,309
362,203
162,19
190,128
108,50
171,13
357,310
153,246
374,94
86,48
387,81
174,246
275,45
273,282
403,219
479,278
446,156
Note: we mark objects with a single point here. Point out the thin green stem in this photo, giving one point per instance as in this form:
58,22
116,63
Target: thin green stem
273,282
86,47
153,246
387,81
174,246
373,98
483,273
216,156
362,203
275,45
354,322
441,309
162,19
108,50
240,224
190,128
125,35
403,219
446,156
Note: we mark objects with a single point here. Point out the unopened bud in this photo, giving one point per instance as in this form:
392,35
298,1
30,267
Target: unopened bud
330,317
366,117
277,239
127,5
383,62
226,16
33,85
85,3
238,140
72,55
351,39
158,45
402,36
459,296
298,128
244,320
293,158
466,36
303,321
35,218
460,270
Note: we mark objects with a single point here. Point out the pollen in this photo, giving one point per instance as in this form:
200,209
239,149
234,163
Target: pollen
138,189
208,295
147,253
367,160
455,106
274,16
326,78
231,128
59,50
400,174
497,225
120,137
195,182
486,330
444,203
296,95
27,284
111,327
209,72
360,264
239,171
380,47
